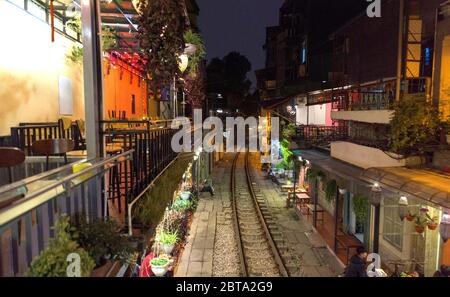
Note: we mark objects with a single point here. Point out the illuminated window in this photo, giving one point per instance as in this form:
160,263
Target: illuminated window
393,226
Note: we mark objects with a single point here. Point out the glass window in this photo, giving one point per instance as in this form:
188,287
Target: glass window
36,10
393,226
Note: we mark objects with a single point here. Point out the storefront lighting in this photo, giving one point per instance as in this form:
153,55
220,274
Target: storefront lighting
375,196
444,228
403,207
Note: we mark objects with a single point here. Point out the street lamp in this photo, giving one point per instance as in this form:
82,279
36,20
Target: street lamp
375,200
444,228
402,207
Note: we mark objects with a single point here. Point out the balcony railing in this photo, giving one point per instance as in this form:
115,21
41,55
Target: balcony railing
29,208
321,135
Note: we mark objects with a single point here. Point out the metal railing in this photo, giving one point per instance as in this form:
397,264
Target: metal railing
321,135
30,207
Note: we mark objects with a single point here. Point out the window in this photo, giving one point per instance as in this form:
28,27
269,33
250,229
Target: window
133,104
393,226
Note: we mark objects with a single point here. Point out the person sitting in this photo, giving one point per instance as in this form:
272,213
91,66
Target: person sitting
357,266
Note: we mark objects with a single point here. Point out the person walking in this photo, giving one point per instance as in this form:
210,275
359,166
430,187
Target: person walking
357,266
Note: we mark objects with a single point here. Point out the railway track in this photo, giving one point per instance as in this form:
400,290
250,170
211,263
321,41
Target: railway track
258,252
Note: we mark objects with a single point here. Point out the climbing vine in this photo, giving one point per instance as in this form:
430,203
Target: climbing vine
161,28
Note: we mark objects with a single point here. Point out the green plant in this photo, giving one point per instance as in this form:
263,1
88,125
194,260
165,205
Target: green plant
181,204
200,53
168,237
161,28
109,39
52,262
288,131
414,125
330,190
360,207
159,261
76,54
102,240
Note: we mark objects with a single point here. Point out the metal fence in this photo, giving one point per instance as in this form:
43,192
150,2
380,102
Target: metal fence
29,208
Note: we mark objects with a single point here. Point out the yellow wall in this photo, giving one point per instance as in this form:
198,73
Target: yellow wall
445,79
30,67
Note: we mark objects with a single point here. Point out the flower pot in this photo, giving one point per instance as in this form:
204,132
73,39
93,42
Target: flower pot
410,217
432,226
159,270
167,248
420,229
185,195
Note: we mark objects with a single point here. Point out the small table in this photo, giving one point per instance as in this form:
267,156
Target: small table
302,199
348,242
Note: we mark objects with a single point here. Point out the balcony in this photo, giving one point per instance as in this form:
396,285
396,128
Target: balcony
374,103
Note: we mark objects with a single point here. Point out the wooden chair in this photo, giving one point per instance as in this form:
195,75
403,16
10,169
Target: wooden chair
53,147
79,137
10,157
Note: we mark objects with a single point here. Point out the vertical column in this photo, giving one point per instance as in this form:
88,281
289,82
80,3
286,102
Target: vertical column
93,77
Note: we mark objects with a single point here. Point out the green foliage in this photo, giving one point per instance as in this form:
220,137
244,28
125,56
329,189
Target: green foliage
168,237
181,204
414,126
102,239
76,54
288,132
360,207
200,53
159,261
161,28
312,174
52,262
109,39
330,190
149,210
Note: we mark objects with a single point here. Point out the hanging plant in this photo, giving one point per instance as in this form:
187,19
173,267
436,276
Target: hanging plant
161,28
330,190
195,89
109,38
197,53
360,207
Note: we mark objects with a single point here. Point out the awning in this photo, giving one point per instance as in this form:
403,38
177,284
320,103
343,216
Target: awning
424,184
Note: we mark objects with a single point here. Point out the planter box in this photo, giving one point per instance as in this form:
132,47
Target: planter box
109,269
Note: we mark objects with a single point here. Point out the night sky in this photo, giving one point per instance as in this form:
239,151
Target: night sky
238,25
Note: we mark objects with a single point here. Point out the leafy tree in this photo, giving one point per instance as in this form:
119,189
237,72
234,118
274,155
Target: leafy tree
229,77
414,125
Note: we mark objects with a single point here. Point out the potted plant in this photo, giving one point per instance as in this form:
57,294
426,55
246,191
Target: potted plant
52,262
159,265
167,240
330,190
410,217
432,224
421,221
185,195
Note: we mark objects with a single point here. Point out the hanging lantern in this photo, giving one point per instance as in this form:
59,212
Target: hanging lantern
183,62
402,207
375,196
444,228
342,191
